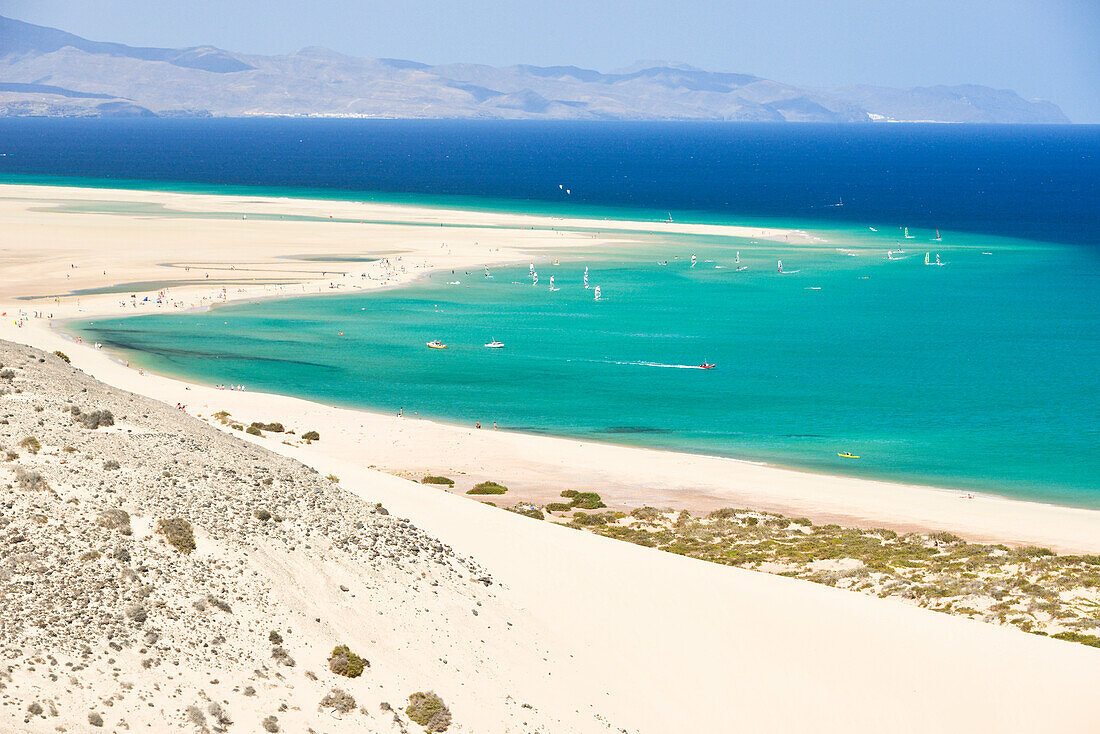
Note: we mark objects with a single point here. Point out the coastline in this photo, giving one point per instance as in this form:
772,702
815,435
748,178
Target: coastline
536,467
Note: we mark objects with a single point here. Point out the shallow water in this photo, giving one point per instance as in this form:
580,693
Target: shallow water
978,374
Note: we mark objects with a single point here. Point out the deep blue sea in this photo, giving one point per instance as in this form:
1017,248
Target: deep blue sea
980,374
1040,182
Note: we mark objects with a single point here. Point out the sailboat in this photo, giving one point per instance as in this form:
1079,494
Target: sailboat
938,238
494,344
907,235
586,277
938,260
737,258
927,255
552,288
780,266
534,279
487,273
669,220
597,293
693,259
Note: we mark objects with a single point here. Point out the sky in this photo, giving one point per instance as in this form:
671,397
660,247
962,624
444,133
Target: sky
1048,49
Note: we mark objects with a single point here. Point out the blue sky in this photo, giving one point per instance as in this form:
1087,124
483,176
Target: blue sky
1039,48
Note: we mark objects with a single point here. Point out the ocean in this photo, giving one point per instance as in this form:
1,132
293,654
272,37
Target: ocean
979,375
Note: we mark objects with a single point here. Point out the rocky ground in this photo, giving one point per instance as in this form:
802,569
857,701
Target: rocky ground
112,620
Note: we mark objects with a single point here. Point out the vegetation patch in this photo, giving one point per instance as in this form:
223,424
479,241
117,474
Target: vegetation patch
1032,589
93,420
310,436
115,519
30,443
587,501
428,710
527,511
64,357
178,532
253,430
272,427
487,488
437,480
338,700
344,662
31,481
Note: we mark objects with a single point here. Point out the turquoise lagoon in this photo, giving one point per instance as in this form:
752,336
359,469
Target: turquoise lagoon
981,374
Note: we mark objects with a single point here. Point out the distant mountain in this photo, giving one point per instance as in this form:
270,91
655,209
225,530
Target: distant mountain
48,72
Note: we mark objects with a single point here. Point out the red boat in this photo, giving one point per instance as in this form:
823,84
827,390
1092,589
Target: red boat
706,366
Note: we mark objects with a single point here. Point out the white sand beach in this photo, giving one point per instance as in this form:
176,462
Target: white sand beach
649,641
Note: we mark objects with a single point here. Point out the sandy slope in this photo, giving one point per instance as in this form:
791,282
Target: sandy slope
646,641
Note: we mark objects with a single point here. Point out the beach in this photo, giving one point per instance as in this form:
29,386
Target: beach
156,248
620,625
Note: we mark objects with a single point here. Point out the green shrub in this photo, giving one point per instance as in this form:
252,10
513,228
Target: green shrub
428,710
1090,640
311,436
596,518
569,493
30,443
262,515
487,488
430,479
273,427
587,501
333,478
252,430
64,357
527,511
344,662
648,514
178,532
559,507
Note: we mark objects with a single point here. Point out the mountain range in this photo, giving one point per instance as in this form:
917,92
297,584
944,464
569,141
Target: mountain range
49,72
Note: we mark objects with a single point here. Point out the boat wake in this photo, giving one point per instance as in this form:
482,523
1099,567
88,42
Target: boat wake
661,364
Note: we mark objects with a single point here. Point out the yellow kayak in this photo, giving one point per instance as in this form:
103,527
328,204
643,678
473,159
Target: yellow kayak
436,345
847,455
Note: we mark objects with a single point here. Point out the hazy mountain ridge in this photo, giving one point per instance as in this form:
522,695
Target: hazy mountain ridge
48,72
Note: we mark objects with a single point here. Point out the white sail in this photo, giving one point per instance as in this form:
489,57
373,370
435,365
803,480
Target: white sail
534,279
737,259
693,259
597,293
780,266
586,277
